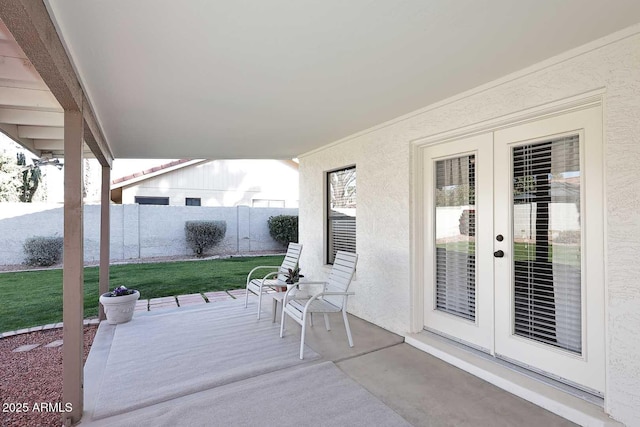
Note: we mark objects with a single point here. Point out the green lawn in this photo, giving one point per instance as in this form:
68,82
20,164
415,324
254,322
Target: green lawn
35,298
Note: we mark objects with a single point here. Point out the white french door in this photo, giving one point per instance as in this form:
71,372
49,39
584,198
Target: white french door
460,277
550,282
514,244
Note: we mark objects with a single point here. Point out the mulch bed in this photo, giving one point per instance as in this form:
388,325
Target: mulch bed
31,381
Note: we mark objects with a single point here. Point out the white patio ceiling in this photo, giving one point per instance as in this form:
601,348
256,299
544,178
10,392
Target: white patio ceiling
277,78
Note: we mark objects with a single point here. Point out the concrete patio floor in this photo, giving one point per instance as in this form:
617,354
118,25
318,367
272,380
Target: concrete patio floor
403,384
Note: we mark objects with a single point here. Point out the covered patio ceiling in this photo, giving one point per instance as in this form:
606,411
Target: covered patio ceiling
250,79
29,113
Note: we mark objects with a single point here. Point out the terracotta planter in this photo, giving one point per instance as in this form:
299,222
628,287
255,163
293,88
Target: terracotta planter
119,309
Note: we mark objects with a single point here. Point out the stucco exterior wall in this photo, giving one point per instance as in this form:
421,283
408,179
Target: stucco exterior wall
382,225
138,231
382,156
223,183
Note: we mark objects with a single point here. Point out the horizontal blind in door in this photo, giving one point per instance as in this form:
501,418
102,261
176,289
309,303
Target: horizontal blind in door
547,242
455,237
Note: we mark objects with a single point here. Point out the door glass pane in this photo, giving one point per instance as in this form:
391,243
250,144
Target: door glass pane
547,242
455,226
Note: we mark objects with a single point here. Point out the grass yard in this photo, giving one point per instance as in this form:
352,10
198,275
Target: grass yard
35,298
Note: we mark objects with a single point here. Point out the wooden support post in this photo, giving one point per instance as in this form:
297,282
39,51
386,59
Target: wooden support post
73,274
105,230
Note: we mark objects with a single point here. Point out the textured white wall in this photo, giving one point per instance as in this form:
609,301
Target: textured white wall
138,231
382,224
383,160
223,183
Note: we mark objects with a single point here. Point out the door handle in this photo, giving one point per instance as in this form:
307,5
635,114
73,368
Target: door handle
498,254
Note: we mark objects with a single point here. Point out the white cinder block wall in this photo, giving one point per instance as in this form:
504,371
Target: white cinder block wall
138,231
384,182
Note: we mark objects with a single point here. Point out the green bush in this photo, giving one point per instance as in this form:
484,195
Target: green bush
43,251
203,235
284,228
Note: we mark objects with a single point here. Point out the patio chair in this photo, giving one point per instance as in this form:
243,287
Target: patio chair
332,298
275,279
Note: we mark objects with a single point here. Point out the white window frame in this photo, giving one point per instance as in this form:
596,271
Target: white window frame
330,253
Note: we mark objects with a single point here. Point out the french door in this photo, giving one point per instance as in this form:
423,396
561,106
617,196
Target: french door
459,191
514,244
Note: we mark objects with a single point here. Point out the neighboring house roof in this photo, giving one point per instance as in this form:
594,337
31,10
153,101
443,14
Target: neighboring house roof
154,171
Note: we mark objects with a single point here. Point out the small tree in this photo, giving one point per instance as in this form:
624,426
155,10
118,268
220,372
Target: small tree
30,179
202,235
43,251
284,228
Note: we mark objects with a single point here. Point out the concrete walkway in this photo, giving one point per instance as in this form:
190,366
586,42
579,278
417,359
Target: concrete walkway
420,388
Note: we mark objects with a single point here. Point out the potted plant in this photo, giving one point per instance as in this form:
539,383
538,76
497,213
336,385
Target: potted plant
119,304
293,275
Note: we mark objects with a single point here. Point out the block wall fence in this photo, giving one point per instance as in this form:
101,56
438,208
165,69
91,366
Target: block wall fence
138,231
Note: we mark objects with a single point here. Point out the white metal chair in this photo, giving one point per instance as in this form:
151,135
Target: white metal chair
276,279
332,298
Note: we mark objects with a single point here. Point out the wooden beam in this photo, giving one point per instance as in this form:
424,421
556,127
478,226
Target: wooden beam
41,100
49,144
10,48
39,85
12,131
17,69
105,231
95,139
41,132
73,271
17,116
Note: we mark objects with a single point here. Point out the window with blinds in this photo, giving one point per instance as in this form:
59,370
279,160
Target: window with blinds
547,242
455,226
341,212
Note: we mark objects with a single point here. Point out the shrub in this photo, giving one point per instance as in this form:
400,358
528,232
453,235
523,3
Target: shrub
284,228
202,235
43,251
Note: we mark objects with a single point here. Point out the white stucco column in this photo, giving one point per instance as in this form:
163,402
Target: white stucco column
73,274
105,232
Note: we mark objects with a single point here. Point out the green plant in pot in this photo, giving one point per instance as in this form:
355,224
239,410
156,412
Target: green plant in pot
293,276
119,304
